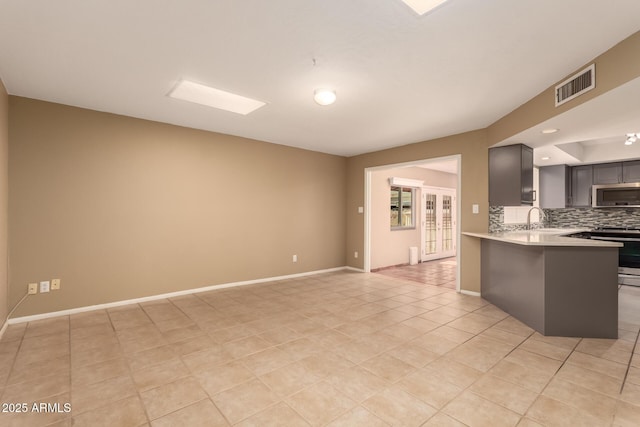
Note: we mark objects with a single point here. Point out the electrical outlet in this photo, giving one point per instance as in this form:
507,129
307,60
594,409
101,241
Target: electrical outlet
44,286
295,258
55,284
355,254
33,288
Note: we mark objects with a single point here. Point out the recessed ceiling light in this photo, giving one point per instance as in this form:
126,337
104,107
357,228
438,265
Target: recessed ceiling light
423,6
205,95
324,96
548,131
545,158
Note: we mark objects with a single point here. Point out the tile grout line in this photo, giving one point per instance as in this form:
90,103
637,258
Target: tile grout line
557,370
138,393
506,355
468,388
554,374
191,374
626,373
15,358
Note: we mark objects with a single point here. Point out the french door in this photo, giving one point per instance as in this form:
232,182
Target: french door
438,223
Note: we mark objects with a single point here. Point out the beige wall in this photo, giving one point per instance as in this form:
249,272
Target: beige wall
4,197
121,208
391,247
472,147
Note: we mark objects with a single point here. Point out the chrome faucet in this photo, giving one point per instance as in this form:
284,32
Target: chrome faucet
529,216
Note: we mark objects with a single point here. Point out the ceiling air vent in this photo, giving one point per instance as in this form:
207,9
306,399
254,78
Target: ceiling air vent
576,85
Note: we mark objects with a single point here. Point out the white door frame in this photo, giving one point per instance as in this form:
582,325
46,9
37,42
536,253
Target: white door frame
367,207
439,253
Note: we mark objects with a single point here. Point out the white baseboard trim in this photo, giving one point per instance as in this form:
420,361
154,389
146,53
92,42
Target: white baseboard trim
359,270
160,296
472,293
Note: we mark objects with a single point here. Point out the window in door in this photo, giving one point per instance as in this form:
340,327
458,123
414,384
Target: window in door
430,223
447,223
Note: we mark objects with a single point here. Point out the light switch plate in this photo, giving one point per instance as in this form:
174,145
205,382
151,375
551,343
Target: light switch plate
44,286
475,208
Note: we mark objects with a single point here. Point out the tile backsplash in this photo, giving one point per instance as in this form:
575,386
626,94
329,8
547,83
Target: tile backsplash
570,218
594,217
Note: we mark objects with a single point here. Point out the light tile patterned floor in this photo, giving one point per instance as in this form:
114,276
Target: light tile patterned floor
339,349
441,272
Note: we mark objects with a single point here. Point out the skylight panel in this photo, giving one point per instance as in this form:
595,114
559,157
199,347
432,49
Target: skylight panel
422,7
205,95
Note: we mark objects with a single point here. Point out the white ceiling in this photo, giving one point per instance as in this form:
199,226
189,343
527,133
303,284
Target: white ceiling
400,78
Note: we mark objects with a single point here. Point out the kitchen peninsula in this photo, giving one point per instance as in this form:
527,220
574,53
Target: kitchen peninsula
557,285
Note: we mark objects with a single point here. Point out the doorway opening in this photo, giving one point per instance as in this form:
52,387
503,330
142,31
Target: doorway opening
434,231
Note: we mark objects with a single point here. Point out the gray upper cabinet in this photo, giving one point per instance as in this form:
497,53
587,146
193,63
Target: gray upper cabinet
607,173
581,181
616,173
564,186
555,186
631,171
511,175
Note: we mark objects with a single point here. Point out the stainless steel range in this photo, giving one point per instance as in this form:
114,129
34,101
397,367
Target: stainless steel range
629,254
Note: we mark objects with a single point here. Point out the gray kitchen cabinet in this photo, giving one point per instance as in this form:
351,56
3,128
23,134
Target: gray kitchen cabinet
511,175
555,186
607,173
631,171
581,181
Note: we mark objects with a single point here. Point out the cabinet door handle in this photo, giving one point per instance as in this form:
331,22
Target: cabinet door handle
535,195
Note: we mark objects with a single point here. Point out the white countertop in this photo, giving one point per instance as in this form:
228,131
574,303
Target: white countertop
545,237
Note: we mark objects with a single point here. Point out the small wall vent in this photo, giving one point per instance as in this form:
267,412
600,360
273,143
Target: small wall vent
576,85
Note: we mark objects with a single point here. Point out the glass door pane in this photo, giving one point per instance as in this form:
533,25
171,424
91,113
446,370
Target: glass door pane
447,223
430,223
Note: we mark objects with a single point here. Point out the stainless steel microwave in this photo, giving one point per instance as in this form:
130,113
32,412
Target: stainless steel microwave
612,195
